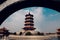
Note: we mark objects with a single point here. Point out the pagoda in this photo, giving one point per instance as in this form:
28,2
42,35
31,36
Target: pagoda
29,23
28,28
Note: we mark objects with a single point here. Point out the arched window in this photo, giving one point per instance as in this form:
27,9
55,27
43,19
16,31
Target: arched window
28,33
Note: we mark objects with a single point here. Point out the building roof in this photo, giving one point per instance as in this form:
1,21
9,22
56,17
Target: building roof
29,14
58,29
2,29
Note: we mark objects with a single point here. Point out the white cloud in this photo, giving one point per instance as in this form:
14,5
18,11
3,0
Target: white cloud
54,14
16,21
38,16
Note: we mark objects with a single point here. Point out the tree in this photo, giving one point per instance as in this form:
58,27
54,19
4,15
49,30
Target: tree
40,33
14,33
20,33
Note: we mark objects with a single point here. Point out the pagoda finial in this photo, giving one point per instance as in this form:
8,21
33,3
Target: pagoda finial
29,12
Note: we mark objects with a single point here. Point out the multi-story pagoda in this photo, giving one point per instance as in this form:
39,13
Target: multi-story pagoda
29,23
29,26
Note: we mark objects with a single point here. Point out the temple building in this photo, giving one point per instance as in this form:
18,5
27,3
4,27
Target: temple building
4,32
58,31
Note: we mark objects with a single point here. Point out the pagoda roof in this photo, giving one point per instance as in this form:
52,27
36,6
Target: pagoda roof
58,29
29,14
3,29
29,28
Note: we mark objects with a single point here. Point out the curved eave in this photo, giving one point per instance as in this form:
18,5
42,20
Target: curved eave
29,28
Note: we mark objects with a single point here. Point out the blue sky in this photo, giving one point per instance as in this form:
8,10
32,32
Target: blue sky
45,19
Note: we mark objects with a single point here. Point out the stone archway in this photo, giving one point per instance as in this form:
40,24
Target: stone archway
29,3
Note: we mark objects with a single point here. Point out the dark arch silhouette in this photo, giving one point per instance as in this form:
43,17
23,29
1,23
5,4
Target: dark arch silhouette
29,3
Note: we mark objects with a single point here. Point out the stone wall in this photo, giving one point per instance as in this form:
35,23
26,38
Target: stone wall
13,37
